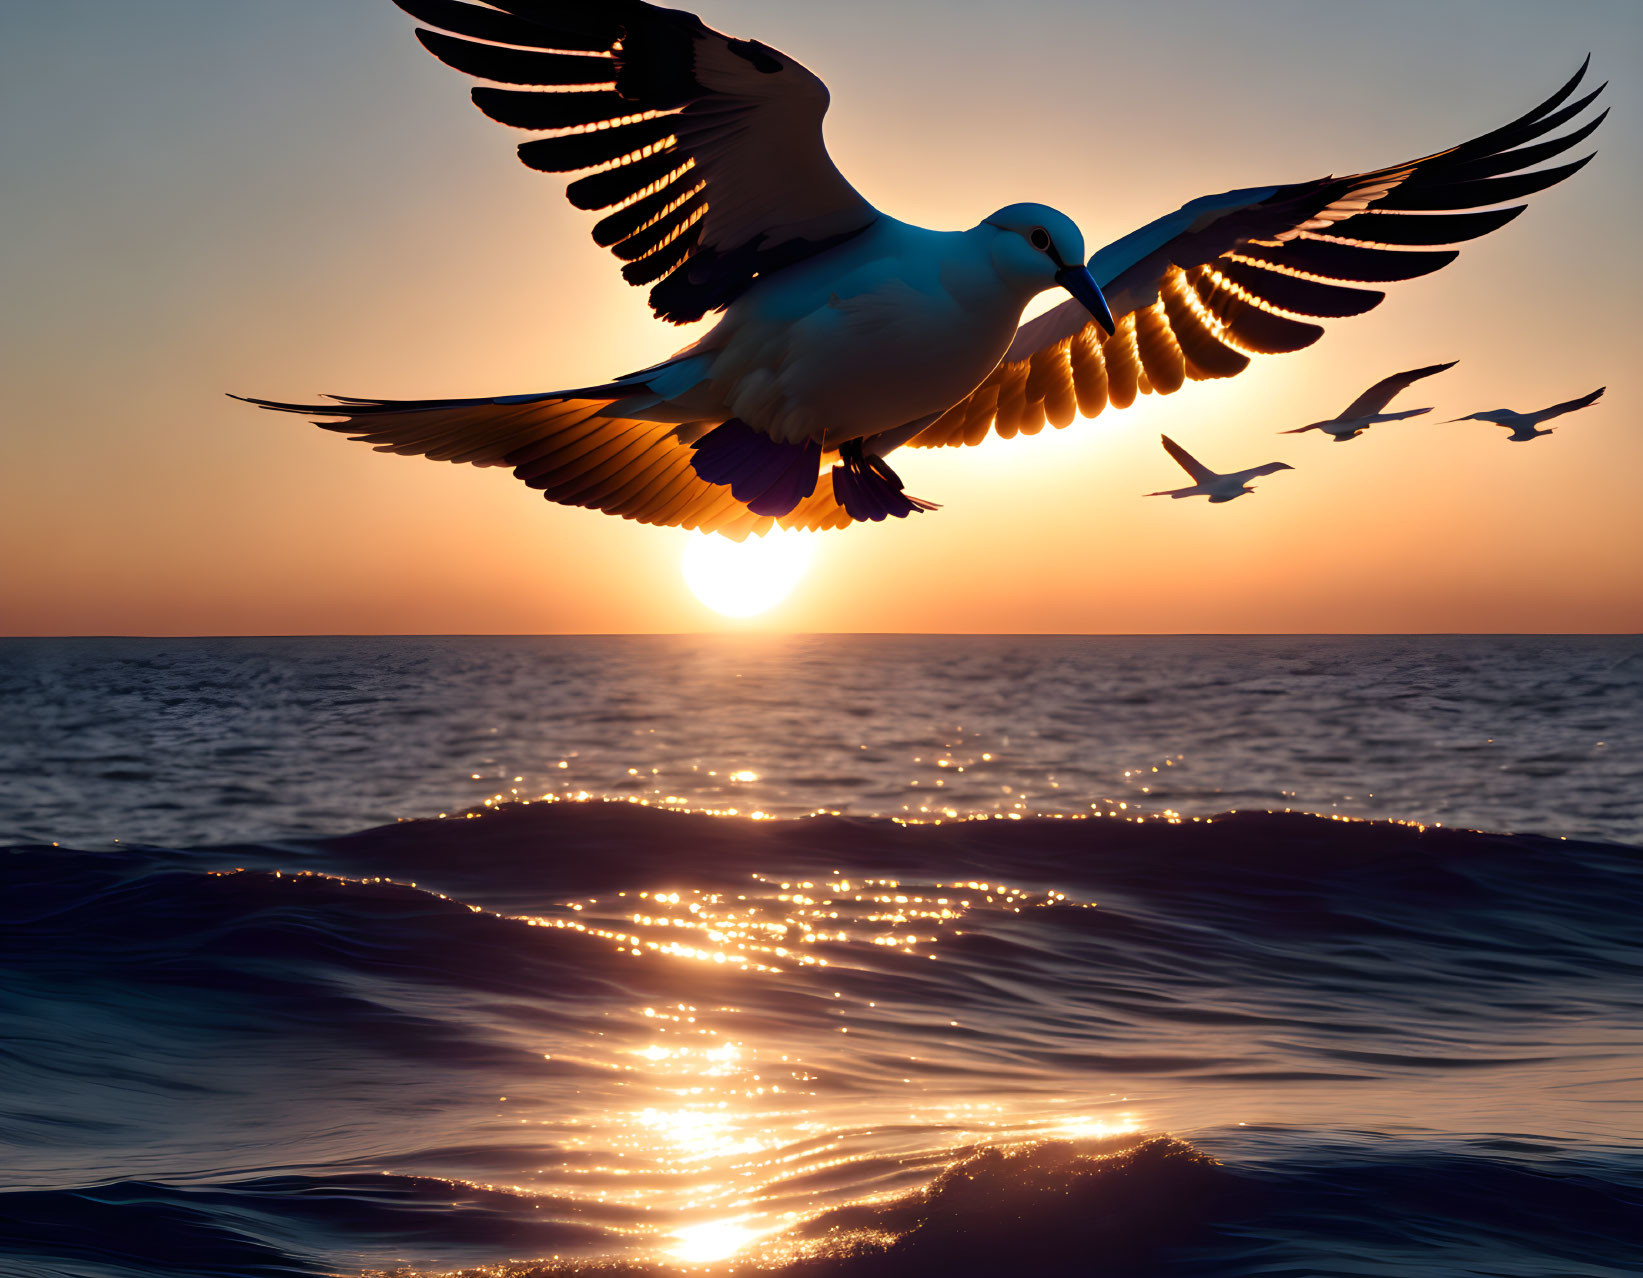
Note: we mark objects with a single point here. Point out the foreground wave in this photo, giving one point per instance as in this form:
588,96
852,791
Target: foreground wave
573,1035
1158,1207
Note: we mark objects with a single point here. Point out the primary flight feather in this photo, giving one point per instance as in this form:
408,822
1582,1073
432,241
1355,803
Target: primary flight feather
846,333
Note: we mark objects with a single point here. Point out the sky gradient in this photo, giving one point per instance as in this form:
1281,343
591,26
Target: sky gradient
293,198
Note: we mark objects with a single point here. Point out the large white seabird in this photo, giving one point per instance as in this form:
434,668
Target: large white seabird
846,333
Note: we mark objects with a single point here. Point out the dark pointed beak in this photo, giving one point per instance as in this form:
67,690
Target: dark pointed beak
1078,281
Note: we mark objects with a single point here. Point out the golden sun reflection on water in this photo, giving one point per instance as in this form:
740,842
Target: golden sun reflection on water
796,1080
712,1240
718,1127
947,776
776,925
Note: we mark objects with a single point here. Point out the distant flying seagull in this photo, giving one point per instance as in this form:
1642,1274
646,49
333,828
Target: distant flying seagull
1206,483
1524,425
846,333
1369,408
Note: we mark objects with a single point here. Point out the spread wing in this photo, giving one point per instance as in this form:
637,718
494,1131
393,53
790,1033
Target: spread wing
572,450
706,150
1271,468
1585,401
1378,396
1227,277
1201,474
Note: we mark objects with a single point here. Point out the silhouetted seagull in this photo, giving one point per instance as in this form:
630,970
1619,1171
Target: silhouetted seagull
1524,425
845,332
1368,409
1206,483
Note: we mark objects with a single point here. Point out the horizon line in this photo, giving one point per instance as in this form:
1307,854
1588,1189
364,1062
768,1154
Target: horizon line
868,634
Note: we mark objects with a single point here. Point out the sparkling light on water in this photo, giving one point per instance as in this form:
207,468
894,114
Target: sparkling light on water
717,1106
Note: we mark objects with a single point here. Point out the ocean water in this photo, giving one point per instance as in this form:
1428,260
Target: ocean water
821,956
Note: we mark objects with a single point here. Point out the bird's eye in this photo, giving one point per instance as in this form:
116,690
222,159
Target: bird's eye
1039,239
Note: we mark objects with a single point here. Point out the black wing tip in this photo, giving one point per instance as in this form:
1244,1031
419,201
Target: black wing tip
1570,84
1429,370
345,405
273,405
429,40
447,48
1538,120
1576,108
484,96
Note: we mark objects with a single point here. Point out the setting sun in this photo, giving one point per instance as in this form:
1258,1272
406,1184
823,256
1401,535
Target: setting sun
743,579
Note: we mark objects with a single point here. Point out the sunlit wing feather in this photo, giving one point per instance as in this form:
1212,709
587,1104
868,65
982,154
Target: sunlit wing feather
707,151
1202,290
572,451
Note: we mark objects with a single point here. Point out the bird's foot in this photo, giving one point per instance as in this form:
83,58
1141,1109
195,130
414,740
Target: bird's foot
869,490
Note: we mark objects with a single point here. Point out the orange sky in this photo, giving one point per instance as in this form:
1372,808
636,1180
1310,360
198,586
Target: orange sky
300,200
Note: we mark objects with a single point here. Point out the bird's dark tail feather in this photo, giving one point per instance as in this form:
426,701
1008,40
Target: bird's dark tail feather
770,477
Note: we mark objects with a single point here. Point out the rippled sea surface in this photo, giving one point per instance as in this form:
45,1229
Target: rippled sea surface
264,1012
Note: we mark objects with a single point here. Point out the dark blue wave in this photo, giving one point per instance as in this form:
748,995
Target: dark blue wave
276,1225
283,1059
1161,1207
